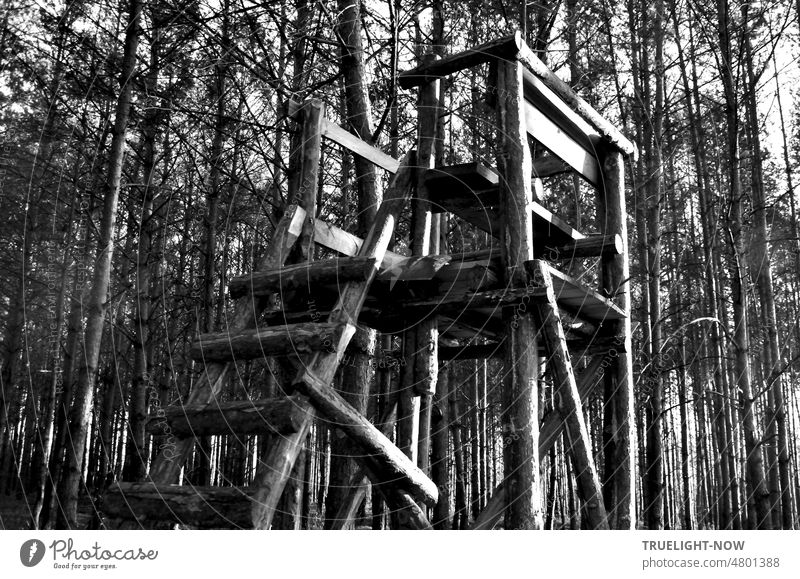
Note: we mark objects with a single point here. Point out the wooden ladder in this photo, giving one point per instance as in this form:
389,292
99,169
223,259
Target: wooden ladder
317,349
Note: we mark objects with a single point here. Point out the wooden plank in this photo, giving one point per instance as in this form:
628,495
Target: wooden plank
478,206
241,417
292,339
562,145
340,241
581,300
505,47
172,455
300,276
201,507
551,230
567,399
471,176
361,148
394,267
544,99
549,166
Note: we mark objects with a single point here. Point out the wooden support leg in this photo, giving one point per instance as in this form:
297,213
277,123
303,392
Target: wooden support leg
568,402
275,468
520,399
615,276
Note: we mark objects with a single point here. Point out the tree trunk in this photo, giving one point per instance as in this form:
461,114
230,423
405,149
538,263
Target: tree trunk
84,391
761,271
357,375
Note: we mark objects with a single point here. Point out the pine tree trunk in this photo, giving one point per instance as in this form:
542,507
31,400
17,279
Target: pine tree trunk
761,271
98,304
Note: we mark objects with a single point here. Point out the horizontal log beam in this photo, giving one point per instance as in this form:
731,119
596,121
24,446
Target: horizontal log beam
506,47
589,246
201,507
514,47
302,275
293,339
242,417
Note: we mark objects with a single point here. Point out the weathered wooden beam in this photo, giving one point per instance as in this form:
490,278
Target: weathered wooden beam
505,47
589,246
300,276
562,144
293,339
378,452
359,482
275,468
358,146
340,241
544,99
202,507
568,402
241,417
519,399
348,140
615,280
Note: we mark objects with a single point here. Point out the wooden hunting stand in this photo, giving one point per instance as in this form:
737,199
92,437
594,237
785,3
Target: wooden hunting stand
508,301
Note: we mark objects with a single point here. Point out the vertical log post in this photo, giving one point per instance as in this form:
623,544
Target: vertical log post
520,400
275,470
426,242
612,215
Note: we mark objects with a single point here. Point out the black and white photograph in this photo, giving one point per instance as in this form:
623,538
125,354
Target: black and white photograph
380,265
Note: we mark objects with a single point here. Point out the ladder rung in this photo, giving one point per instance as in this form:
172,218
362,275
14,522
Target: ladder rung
302,275
201,507
293,339
242,417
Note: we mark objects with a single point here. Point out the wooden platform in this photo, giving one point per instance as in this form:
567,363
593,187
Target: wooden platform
471,191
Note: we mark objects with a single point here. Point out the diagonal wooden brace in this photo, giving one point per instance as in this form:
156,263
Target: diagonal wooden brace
567,395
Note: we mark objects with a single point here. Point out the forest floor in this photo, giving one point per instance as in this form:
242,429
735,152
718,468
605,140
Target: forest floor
15,512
